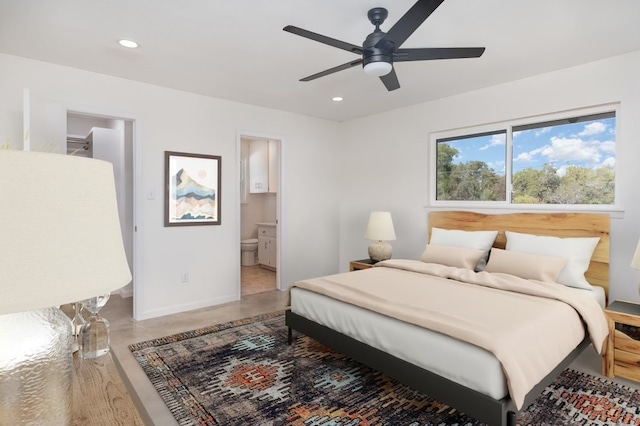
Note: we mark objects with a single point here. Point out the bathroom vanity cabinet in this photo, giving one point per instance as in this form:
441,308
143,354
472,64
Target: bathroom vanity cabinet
267,245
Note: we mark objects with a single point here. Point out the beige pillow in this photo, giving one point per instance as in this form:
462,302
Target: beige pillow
469,239
525,265
460,257
577,250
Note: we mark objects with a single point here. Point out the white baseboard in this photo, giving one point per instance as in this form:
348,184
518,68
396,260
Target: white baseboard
154,313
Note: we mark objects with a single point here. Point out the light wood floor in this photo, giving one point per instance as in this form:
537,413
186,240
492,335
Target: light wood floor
134,399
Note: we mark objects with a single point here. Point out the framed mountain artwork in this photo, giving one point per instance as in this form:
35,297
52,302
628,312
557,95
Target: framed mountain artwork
192,189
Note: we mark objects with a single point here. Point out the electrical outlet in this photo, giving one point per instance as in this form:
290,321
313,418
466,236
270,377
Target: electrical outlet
184,277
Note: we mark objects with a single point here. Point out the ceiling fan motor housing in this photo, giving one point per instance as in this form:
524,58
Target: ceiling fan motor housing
372,53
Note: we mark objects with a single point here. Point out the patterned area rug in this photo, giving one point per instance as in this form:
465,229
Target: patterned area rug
244,373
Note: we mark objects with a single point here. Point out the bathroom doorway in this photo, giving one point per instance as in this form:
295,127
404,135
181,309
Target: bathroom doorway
260,195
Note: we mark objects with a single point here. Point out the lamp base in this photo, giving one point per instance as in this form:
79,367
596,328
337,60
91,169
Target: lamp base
379,251
36,367
93,339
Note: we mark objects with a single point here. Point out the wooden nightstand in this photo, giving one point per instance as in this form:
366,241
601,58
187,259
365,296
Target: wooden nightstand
355,265
623,344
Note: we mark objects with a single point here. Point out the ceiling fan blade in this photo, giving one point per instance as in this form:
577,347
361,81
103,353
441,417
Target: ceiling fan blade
332,70
406,25
391,80
324,39
429,53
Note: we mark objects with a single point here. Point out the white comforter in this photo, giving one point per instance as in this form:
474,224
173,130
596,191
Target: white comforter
530,326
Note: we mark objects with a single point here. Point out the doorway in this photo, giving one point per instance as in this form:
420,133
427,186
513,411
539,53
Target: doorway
260,197
110,139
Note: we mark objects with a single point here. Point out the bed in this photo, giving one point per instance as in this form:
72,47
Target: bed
459,372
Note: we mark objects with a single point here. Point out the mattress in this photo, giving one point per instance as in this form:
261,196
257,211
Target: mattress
458,361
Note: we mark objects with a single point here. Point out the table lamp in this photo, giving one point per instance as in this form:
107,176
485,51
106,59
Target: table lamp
380,229
60,242
635,262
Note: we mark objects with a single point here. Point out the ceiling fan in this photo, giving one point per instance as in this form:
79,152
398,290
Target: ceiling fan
380,50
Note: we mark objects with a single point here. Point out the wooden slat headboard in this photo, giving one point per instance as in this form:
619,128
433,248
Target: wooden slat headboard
551,224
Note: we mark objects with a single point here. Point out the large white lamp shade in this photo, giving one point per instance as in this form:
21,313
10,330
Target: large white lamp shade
60,231
60,242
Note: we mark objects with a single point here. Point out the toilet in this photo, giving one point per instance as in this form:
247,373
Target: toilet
249,252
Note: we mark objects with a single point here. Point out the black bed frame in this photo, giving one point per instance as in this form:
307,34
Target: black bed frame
475,404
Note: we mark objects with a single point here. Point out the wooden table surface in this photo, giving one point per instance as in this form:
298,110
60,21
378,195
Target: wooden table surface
100,397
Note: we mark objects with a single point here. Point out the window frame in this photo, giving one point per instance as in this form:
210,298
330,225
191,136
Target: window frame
508,125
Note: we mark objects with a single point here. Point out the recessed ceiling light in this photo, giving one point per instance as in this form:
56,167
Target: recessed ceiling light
128,43
337,99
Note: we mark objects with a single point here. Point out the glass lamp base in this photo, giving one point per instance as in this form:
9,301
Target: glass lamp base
36,368
94,337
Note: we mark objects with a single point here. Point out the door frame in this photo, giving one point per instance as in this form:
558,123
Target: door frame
280,220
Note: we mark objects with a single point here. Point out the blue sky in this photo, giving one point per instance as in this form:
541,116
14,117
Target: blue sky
588,144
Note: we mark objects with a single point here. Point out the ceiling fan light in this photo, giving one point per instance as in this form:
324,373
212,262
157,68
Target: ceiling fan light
128,43
378,69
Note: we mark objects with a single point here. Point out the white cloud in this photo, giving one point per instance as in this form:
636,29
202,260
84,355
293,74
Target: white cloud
561,171
570,151
496,140
609,162
608,146
542,131
529,156
564,150
594,128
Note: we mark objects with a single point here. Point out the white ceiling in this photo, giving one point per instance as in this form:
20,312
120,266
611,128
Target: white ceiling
236,49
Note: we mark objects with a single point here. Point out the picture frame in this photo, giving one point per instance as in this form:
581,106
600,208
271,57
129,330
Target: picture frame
192,189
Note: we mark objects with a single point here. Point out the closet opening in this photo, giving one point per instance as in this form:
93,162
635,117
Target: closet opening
111,139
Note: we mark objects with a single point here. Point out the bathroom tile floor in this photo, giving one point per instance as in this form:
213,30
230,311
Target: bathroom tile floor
256,279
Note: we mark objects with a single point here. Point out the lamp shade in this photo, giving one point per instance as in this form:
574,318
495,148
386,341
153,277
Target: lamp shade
380,227
60,238
635,262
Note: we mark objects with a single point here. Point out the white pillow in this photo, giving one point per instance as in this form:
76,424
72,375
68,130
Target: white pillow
525,265
460,257
577,250
479,240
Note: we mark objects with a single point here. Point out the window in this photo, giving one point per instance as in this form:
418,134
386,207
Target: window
557,160
469,169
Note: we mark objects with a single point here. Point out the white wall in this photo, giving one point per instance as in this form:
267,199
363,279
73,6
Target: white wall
386,157
382,163
171,120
